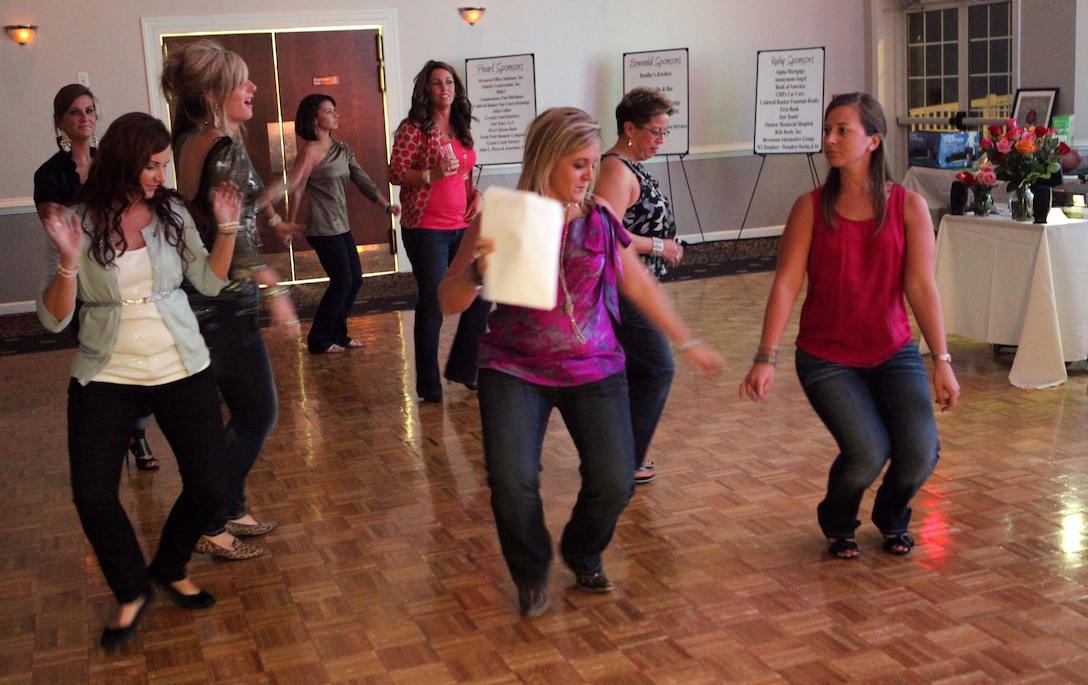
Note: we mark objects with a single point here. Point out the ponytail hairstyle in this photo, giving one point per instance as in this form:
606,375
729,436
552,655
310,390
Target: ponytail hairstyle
196,80
874,122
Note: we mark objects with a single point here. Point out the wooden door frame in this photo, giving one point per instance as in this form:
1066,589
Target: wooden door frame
154,28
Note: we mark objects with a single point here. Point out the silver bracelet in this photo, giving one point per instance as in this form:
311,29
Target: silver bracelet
659,247
694,342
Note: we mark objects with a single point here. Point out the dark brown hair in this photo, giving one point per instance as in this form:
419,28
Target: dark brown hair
873,121
306,114
460,110
640,106
113,184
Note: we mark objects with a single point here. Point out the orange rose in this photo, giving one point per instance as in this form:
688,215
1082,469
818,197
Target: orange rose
1025,147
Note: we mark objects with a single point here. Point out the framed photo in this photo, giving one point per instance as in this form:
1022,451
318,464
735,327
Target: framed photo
1033,106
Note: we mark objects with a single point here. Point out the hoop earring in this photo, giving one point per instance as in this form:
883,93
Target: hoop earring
64,142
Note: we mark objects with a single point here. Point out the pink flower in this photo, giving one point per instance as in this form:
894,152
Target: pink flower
986,176
1003,146
1030,136
1010,123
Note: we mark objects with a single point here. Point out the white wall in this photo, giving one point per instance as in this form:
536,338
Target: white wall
578,47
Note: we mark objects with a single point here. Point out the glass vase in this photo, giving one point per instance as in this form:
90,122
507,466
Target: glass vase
982,203
1021,204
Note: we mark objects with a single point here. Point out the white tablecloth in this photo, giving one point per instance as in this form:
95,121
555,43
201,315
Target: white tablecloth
1021,284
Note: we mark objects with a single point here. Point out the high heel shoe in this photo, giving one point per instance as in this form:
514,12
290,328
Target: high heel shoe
145,460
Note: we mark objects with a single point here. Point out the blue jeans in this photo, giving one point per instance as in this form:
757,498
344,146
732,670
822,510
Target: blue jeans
880,415
514,416
339,256
243,372
431,252
100,420
649,373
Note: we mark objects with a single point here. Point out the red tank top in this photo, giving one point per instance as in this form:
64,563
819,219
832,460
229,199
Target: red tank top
854,311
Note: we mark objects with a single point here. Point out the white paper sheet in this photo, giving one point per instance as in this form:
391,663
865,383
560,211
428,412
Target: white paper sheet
527,230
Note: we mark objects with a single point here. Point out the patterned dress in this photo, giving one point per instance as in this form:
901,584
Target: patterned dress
651,215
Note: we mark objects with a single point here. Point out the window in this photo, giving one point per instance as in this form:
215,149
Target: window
960,59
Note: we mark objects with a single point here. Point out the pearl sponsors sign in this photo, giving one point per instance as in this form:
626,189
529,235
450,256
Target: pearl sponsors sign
666,71
503,95
789,101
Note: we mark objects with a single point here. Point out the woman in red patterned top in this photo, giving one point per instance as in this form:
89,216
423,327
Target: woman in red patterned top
439,200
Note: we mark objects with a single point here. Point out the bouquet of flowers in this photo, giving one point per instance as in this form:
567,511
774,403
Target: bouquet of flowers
1023,156
980,183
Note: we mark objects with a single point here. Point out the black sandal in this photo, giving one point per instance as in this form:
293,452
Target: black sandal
843,548
899,545
145,460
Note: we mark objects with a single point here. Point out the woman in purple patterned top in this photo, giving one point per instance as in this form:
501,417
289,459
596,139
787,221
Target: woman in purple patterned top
532,361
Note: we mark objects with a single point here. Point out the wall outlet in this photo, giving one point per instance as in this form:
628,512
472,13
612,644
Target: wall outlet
84,79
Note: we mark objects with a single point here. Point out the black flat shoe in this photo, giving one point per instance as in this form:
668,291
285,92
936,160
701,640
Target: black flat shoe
201,600
471,385
115,637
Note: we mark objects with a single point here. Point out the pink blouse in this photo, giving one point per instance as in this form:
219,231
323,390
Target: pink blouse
540,346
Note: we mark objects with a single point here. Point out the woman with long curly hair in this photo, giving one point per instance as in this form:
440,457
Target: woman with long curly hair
439,200
124,248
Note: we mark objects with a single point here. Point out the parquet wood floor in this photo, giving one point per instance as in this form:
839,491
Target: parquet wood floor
386,568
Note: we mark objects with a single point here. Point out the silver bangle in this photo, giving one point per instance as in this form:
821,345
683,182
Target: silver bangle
694,342
275,220
658,248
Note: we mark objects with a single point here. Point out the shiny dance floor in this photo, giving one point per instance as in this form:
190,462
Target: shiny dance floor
386,568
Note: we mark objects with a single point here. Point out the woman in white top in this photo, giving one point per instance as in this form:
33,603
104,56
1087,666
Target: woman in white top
124,248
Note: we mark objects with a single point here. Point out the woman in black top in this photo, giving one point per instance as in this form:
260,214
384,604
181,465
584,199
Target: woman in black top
75,118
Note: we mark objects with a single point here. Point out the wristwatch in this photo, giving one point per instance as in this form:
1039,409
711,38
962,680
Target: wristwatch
942,358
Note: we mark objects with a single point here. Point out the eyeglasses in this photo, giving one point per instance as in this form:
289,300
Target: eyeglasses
657,132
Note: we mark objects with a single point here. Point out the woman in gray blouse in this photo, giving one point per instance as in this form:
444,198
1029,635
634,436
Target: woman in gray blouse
323,168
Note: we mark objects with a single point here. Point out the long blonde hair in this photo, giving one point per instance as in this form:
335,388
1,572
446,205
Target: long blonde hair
556,132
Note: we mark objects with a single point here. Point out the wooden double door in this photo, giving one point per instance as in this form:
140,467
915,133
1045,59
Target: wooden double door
286,66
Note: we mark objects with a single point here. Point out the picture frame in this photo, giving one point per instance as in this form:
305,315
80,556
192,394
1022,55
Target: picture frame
1034,106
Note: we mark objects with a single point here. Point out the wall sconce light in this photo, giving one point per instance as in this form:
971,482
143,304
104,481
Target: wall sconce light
21,33
472,14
